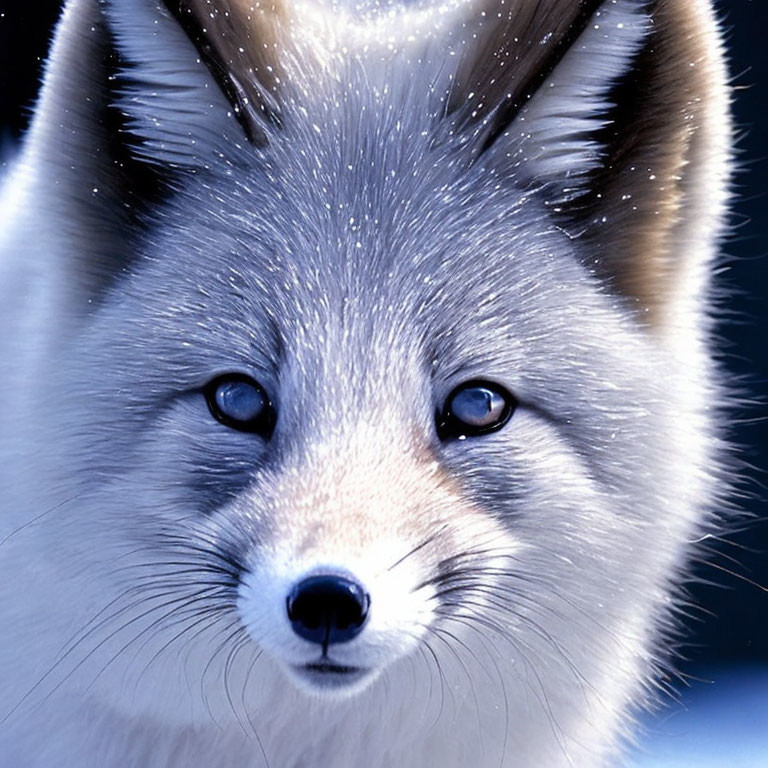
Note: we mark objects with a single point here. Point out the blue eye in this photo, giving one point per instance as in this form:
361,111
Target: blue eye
475,408
239,402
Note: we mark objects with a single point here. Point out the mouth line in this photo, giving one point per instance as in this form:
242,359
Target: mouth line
329,668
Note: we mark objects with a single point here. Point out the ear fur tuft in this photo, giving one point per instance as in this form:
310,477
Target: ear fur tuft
551,141
172,101
239,41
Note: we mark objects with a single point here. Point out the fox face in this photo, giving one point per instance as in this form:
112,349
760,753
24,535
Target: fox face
404,436
379,360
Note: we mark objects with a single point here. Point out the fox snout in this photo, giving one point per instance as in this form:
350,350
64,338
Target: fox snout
339,581
345,574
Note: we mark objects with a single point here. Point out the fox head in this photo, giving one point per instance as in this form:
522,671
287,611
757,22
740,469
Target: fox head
378,339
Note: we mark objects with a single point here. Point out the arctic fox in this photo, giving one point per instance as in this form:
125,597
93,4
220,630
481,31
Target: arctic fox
359,406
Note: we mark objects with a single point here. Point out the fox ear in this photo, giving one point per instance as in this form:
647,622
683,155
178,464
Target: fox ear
132,99
189,67
617,113
159,78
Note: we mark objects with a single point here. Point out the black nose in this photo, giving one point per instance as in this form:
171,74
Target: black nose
327,609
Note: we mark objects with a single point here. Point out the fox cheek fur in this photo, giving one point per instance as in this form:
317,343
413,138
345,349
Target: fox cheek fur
254,265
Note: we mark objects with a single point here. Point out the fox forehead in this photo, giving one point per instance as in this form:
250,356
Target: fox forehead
405,247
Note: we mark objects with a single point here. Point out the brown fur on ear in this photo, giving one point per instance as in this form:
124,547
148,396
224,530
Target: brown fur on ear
659,197
516,47
239,40
647,183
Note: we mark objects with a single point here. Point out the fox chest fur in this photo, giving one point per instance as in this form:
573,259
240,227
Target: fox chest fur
360,396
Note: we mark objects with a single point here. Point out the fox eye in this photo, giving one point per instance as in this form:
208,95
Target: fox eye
475,408
239,402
